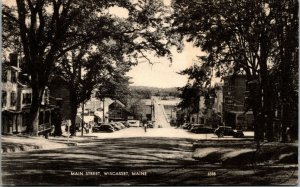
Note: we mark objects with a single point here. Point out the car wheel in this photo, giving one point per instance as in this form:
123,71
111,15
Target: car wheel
220,135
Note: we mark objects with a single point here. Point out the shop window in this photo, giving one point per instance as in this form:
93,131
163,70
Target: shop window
13,99
26,98
4,98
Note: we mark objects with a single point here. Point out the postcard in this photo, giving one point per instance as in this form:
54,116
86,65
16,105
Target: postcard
149,93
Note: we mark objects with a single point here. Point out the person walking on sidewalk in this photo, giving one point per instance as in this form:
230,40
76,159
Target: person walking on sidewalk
145,126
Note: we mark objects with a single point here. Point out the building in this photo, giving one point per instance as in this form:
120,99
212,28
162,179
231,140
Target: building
146,110
214,113
199,117
118,112
11,100
233,103
59,93
99,108
16,100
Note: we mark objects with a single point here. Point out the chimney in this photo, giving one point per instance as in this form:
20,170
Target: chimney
13,57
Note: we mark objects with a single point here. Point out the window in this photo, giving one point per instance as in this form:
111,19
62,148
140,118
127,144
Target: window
26,98
13,76
13,99
4,98
4,76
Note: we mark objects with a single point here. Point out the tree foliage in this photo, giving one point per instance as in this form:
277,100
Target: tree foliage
50,29
254,37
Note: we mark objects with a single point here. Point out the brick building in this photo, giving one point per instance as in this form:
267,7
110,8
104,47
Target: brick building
233,103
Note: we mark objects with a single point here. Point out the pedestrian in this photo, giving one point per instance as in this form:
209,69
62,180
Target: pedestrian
52,130
145,126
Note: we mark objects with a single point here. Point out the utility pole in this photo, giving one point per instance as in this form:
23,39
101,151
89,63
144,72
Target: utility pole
103,110
82,120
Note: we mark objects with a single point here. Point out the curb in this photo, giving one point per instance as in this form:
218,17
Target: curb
64,142
21,148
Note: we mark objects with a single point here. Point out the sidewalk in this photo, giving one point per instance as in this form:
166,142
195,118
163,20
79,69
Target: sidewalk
78,139
19,143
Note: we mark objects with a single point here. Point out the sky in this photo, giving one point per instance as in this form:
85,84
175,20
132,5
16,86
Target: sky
165,74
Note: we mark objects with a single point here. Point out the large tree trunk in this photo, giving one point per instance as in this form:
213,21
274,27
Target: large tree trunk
269,111
266,121
57,120
33,125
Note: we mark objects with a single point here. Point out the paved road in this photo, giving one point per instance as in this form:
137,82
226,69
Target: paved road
167,132
164,161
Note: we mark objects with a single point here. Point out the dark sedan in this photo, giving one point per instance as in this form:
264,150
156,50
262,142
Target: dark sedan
194,126
104,127
228,131
186,125
115,126
202,129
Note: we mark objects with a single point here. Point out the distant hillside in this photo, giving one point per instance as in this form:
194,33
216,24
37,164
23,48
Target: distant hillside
146,92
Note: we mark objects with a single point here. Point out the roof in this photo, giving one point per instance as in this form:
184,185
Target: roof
118,102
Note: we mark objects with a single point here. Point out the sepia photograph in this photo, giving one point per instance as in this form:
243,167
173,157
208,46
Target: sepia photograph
149,92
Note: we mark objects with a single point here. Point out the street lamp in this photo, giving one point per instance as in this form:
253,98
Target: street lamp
82,120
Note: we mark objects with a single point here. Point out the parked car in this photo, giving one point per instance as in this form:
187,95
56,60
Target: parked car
228,131
194,125
125,123
96,127
120,125
186,125
115,126
150,124
202,129
134,123
103,127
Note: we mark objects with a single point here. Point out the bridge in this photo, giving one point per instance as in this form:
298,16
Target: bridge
159,113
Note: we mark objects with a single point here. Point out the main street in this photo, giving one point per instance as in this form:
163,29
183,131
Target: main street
135,160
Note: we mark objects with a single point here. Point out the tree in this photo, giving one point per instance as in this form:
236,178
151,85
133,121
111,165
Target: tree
285,71
199,84
238,35
49,29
